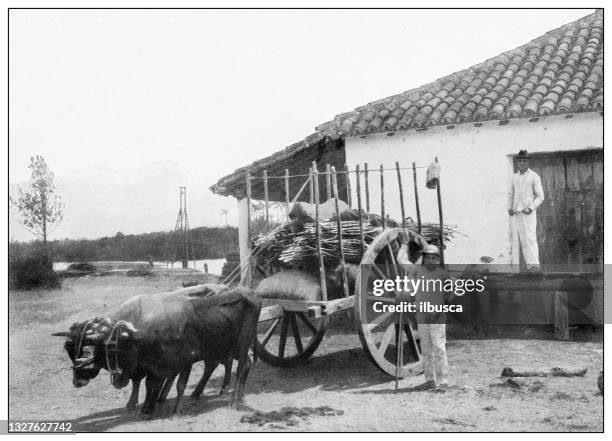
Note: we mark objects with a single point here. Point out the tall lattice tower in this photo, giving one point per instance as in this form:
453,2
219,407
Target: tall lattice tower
179,240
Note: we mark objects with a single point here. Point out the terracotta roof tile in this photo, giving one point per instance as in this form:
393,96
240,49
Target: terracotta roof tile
559,72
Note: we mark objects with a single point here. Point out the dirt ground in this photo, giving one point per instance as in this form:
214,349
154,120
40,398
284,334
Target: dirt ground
338,376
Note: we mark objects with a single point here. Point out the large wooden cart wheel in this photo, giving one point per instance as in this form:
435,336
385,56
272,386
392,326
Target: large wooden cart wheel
276,347
379,331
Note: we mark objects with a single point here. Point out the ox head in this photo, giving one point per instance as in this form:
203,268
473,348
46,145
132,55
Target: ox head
81,350
100,344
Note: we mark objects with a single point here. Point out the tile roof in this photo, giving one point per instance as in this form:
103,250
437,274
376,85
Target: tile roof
559,72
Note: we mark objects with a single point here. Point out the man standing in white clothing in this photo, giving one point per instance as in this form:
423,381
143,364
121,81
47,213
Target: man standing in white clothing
525,196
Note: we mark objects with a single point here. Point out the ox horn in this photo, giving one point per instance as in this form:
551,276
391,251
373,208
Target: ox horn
62,334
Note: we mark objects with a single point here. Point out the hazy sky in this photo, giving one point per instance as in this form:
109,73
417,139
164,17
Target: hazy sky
213,90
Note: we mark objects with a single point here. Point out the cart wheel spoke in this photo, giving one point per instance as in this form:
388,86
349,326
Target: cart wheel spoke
307,322
382,321
296,333
379,272
392,263
283,338
387,337
269,332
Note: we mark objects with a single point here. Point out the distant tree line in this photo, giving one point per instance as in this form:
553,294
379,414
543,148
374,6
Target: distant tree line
204,243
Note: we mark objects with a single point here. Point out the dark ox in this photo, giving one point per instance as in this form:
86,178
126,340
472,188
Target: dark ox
101,343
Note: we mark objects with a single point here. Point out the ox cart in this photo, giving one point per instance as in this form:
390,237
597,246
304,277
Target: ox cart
290,331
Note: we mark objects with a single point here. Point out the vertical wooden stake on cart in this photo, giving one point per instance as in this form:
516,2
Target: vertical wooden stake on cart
367,186
315,177
416,197
311,185
382,197
287,196
265,183
441,221
328,186
400,346
401,194
340,242
247,275
349,198
359,211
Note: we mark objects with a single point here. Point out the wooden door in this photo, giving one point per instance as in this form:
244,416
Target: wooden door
570,220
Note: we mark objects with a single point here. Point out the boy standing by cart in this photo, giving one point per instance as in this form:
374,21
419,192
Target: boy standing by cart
432,325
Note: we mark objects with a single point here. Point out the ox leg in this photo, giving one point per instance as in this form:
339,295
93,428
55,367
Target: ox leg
133,401
246,341
209,368
168,382
154,386
228,374
181,384
242,372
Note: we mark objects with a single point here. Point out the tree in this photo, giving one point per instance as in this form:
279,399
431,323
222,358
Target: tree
37,206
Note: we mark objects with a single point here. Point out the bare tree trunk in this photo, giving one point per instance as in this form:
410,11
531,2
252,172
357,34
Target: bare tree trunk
43,199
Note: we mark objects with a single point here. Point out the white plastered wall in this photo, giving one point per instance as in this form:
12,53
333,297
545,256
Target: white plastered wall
475,173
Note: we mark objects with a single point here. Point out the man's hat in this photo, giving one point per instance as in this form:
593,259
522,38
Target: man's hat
431,249
523,154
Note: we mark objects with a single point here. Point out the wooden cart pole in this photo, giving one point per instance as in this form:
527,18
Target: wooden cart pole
400,349
367,186
265,182
349,199
441,222
328,186
315,175
311,185
247,275
401,194
339,220
287,195
382,196
416,197
359,211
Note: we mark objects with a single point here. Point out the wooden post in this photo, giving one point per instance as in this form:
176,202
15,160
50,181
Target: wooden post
315,175
265,183
401,194
340,243
247,275
561,315
367,186
349,199
400,349
358,190
311,186
416,197
287,190
441,223
328,186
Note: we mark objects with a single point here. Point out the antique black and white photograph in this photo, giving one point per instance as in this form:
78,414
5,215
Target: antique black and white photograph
305,220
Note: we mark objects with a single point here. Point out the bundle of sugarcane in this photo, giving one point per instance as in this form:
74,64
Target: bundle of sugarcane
431,231
304,244
295,242
268,246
